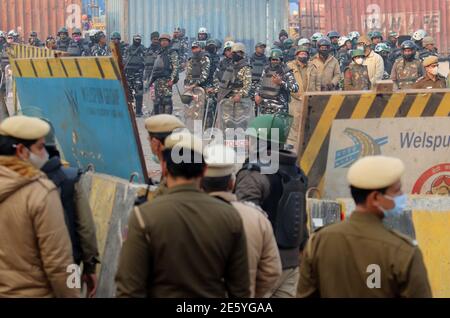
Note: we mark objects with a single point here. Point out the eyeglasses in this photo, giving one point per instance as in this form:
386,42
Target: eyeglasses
433,65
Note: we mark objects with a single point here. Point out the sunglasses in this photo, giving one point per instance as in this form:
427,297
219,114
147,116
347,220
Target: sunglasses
10,38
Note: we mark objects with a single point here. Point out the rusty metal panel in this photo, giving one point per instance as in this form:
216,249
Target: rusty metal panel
42,16
363,16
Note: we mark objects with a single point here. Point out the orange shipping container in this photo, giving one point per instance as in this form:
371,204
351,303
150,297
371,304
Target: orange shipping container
42,16
363,16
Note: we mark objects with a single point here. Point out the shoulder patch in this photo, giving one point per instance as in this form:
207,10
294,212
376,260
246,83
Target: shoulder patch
404,237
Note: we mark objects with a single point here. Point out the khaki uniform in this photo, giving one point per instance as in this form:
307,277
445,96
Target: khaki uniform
339,260
356,78
426,82
184,244
263,257
35,249
375,67
307,79
329,73
406,73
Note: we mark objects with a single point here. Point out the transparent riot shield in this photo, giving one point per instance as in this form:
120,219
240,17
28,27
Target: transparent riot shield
194,111
9,85
149,99
234,115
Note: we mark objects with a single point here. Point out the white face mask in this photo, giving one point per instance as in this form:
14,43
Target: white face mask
434,71
37,161
359,60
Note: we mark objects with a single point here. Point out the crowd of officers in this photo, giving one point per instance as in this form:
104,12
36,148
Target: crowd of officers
212,229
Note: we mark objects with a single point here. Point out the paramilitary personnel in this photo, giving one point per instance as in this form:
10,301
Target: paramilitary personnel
198,66
280,194
407,69
164,75
184,244
277,83
63,40
432,78
134,72
258,62
117,38
77,46
34,40
150,56
328,66
356,76
100,47
378,262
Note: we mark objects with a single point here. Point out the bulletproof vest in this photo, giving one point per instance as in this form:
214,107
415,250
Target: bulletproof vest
135,57
162,67
74,48
223,65
269,89
65,180
286,204
176,45
344,59
214,64
360,77
197,67
408,73
63,45
150,56
230,78
258,65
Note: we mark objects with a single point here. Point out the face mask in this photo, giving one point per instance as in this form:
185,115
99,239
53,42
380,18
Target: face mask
63,37
76,38
137,42
359,60
434,71
303,60
399,205
196,54
237,57
408,57
211,50
37,161
324,54
360,47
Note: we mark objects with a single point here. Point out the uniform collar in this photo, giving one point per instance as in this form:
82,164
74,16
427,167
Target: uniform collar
191,187
365,217
226,196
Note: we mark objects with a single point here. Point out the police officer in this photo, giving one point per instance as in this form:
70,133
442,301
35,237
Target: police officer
378,262
282,37
226,60
373,61
50,43
258,62
408,69
418,37
134,71
198,67
77,46
288,50
263,257
334,39
150,56
376,37
164,75
431,79
354,37
236,80
307,43
392,40
328,66
77,212
161,249
63,39
202,36
344,53
356,76
271,189
180,45
429,48
277,83
212,47
117,38
34,40
384,51
93,40
101,47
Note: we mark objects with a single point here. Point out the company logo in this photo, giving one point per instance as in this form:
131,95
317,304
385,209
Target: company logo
434,181
363,146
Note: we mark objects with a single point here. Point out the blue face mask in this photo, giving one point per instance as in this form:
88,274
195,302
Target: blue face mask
399,205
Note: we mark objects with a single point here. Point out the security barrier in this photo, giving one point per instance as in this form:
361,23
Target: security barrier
321,109
427,221
111,200
22,51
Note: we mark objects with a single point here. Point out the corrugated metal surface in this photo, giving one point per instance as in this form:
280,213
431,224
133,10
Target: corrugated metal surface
42,16
402,16
116,17
248,21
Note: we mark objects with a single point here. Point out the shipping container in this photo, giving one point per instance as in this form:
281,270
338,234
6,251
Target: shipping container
248,21
42,16
364,16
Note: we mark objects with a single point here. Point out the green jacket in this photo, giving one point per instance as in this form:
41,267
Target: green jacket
184,244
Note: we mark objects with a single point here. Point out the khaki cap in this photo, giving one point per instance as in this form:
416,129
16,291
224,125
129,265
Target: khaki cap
221,161
365,39
24,127
430,60
428,40
161,124
184,140
165,36
375,172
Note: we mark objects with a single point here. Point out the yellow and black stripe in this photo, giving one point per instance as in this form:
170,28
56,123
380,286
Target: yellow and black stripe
21,51
321,110
67,67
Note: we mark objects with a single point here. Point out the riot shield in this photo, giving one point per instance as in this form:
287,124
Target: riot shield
194,111
234,115
149,99
9,84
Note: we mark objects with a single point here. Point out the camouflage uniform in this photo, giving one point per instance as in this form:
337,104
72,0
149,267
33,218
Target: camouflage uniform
134,72
405,73
149,60
343,58
166,69
197,70
258,64
182,48
98,50
235,80
276,102
63,45
426,82
78,48
356,78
